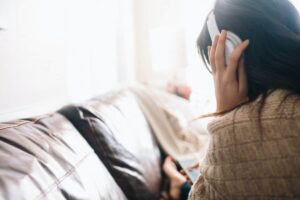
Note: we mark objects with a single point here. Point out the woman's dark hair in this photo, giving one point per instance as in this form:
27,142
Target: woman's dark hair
272,59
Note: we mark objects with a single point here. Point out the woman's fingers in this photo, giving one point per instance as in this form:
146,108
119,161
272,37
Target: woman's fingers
212,54
216,54
234,59
230,81
220,52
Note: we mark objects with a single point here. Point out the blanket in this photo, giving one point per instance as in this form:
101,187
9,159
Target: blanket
171,119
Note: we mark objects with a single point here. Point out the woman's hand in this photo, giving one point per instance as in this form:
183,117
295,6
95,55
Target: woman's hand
230,81
176,178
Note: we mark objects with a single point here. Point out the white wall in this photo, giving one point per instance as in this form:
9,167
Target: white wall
165,19
32,62
56,52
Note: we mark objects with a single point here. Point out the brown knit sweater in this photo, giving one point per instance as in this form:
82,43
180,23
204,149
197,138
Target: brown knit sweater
252,156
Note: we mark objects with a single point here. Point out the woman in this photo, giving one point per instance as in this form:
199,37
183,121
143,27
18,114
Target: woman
254,150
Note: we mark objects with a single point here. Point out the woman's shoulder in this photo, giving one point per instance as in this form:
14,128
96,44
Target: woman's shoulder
279,105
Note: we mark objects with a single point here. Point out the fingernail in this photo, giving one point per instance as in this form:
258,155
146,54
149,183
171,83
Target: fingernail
247,41
223,31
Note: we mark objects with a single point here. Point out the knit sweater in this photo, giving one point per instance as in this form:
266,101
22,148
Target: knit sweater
251,155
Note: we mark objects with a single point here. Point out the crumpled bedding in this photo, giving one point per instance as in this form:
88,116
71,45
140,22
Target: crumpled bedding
172,121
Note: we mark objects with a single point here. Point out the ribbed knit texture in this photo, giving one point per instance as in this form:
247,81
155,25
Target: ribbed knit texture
252,156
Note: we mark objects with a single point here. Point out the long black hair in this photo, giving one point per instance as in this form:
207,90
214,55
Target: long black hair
272,59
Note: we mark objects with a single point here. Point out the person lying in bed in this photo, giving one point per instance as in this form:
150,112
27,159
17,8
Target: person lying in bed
254,147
